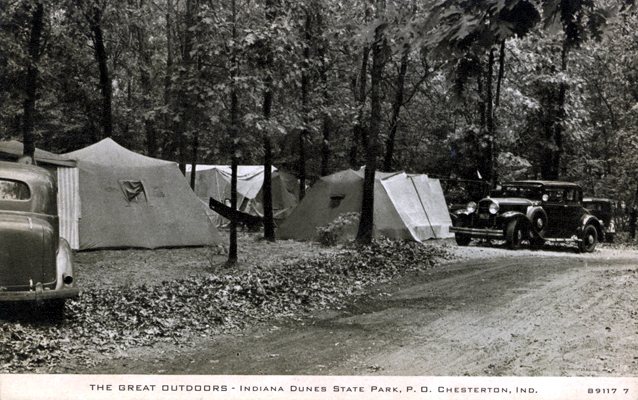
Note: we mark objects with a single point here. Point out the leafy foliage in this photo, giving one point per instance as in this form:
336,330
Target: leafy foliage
337,229
106,320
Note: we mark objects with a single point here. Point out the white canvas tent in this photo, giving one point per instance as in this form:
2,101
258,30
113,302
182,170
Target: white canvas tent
405,206
214,181
130,200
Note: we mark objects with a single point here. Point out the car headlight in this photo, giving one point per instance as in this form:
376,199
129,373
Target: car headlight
471,206
494,208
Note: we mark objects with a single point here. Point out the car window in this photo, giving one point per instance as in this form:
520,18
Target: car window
14,190
531,193
555,195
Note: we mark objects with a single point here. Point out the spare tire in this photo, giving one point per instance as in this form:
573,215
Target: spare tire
539,222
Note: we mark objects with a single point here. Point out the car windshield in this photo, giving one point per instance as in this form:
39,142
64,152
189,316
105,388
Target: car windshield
527,192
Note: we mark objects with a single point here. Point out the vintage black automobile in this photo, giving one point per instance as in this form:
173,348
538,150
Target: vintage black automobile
604,210
36,264
534,211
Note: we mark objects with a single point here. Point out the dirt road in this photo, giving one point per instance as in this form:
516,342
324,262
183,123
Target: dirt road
497,313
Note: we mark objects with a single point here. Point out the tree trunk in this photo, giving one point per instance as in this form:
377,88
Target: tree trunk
194,148
396,109
360,97
269,223
167,149
325,143
105,81
37,24
305,105
146,86
489,121
234,120
185,101
364,234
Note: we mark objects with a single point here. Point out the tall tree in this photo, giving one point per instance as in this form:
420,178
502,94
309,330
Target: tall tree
579,19
269,223
94,12
233,131
379,50
31,82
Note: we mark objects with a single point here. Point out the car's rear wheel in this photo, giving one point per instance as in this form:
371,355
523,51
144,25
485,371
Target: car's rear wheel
53,310
589,239
514,236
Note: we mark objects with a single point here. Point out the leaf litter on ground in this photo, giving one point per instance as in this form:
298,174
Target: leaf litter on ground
181,292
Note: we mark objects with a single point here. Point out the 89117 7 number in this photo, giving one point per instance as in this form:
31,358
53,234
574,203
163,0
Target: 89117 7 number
604,391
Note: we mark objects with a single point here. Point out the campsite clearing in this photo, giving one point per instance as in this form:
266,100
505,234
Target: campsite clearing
483,312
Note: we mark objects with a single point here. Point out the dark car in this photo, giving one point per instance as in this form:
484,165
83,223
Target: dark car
603,209
459,192
36,264
534,211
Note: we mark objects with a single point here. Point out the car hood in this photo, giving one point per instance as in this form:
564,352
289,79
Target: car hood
512,201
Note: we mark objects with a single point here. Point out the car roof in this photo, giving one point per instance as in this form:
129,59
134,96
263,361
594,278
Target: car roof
25,172
543,183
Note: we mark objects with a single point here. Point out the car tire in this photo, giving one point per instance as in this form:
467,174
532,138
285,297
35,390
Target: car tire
462,240
539,222
536,243
589,239
53,310
514,235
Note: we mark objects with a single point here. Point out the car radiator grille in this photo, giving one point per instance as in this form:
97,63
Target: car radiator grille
483,217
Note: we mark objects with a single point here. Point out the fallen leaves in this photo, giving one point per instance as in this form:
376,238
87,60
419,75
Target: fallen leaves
107,319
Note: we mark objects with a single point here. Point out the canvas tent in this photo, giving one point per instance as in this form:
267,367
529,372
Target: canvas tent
405,206
130,200
214,181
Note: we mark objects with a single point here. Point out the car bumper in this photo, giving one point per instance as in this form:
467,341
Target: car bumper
479,232
33,295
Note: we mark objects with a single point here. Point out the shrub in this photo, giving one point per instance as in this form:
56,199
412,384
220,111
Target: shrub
332,233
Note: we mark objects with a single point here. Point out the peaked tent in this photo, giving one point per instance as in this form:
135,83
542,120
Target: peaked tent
130,200
214,181
405,206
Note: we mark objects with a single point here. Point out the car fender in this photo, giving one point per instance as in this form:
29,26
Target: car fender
65,267
591,220
511,215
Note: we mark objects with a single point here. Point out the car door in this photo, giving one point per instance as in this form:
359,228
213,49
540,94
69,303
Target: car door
573,211
554,206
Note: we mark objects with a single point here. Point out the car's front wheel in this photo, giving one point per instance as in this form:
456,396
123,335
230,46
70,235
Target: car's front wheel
589,239
462,240
536,243
514,235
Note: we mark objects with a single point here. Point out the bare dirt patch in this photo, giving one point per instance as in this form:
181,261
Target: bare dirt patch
483,311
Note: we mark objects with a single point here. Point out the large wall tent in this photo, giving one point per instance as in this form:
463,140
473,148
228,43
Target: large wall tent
406,206
214,181
68,186
130,200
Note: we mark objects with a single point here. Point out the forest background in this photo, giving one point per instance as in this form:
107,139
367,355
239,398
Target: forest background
475,89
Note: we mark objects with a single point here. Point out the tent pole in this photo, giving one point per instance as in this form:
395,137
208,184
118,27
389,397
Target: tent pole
422,206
